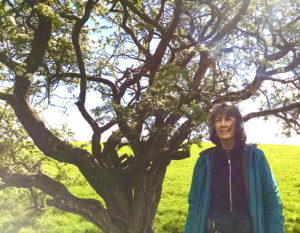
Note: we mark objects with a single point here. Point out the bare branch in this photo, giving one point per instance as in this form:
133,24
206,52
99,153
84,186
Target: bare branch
34,59
244,94
178,155
6,97
266,96
70,17
257,36
201,70
94,125
59,150
110,154
43,138
89,78
145,17
182,133
283,81
83,79
39,44
280,54
62,198
161,10
272,111
293,65
165,40
214,13
145,51
75,39
107,126
232,24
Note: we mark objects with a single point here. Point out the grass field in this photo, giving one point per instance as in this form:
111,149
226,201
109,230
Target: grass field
284,161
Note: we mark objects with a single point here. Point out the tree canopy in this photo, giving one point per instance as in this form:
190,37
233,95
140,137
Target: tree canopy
158,67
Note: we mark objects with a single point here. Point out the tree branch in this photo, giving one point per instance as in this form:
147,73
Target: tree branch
6,97
283,81
89,78
145,17
110,154
257,36
4,59
145,51
271,111
75,39
291,122
62,198
244,94
83,79
39,44
214,11
231,24
59,150
293,65
178,155
43,138
280,54
180,135
165,40
34,59
201,70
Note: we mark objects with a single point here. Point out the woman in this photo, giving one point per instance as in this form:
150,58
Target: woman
233,189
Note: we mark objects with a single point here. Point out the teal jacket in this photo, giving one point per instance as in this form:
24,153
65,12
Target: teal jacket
264,203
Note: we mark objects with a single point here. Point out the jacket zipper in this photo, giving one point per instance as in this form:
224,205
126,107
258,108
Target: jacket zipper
230,188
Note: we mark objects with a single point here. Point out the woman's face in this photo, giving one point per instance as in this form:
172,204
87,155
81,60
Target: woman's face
225,127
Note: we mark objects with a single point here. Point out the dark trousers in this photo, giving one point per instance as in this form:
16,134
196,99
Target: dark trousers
228,223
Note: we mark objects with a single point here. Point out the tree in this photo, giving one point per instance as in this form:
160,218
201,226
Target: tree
18,154
159,66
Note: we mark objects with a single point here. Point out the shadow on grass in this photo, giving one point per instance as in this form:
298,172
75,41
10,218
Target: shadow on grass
174,223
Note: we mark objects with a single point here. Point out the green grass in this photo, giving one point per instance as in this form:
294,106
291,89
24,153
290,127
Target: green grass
173,206
172,210
56,221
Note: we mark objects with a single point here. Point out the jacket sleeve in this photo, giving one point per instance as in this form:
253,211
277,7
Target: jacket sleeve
271,201
193,197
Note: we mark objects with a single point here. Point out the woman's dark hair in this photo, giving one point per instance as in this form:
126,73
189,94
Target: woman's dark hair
230,110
